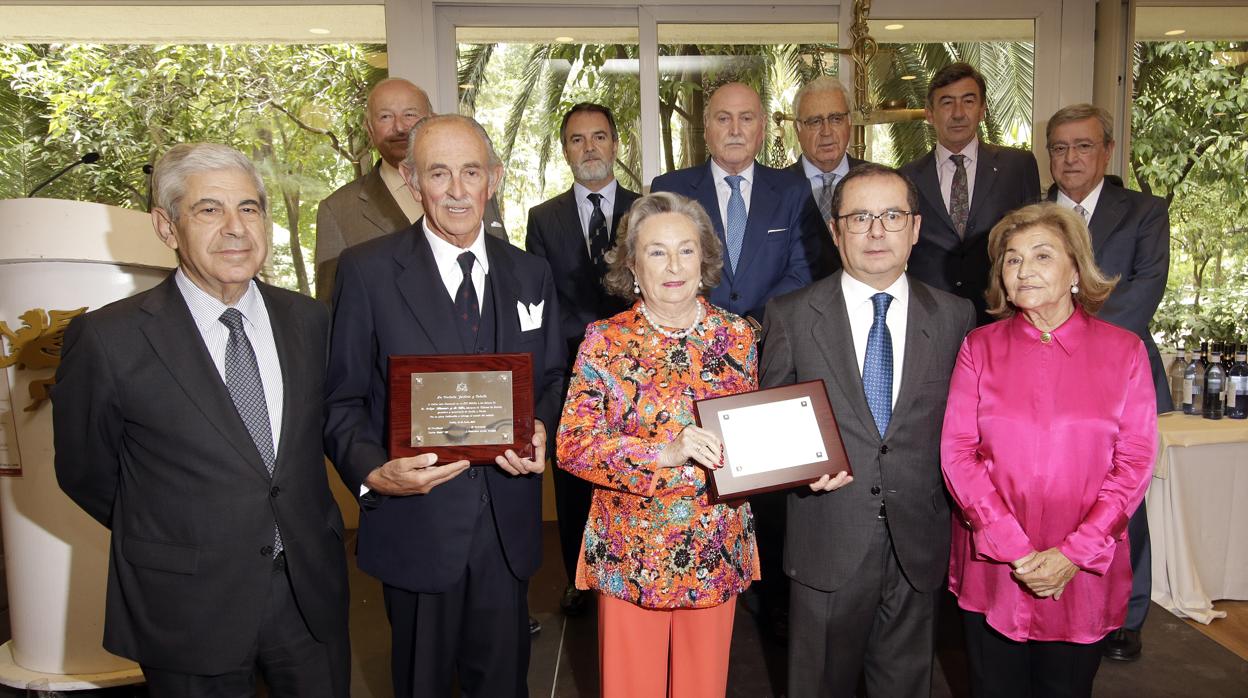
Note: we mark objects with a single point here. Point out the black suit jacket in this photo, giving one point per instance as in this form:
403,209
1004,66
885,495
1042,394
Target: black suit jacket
781,235
554,233
807,337
827,258
1131,239
149,443
389,300
1005,179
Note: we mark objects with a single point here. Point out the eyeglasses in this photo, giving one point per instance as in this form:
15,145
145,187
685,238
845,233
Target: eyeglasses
834,119
860,223
1082,148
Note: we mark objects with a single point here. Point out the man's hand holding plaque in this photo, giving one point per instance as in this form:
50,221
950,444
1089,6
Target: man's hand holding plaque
514,464
410,475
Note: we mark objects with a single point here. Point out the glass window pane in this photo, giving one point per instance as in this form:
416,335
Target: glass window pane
774,59
519,82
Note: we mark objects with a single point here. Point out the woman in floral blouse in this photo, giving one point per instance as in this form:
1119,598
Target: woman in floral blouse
667,564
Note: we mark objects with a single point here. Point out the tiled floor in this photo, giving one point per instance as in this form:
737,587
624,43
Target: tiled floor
1178,660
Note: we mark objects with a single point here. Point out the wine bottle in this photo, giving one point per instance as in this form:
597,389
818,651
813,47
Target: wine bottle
1237,386
1177,369
1189,384
1215,385
1198,380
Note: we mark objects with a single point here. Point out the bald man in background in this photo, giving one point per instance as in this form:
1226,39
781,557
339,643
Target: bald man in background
378,203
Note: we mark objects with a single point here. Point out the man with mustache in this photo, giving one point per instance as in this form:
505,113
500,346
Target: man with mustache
453,545
1131,239
822,122
965,187
765,217
379,202
573,232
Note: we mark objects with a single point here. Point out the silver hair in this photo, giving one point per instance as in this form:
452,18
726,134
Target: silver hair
186,159
1079,112
823,83
622,259
410,160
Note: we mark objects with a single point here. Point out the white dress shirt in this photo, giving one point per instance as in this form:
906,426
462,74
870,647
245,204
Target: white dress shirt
862,315
945,169
446,257
723,191
585,207
206,312
1088,203
815,175
402,193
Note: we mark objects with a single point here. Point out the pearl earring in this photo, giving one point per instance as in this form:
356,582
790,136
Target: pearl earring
636,288
1074,288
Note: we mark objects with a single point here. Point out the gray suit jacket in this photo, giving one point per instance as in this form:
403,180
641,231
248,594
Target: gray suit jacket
361,210
806,336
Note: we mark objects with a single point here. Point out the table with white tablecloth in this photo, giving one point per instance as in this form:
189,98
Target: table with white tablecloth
1198,514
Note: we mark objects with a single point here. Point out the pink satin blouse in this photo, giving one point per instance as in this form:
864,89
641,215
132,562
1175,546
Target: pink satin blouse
1047,444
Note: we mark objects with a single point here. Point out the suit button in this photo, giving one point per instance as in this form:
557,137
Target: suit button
957,283
485,497
875,489
735,297
472,473
274,491
884,449
266,551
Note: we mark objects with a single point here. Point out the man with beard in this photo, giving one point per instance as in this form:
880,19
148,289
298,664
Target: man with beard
573,232
379,202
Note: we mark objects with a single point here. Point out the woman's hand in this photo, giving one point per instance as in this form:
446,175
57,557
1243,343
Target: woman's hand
695,444
1045,573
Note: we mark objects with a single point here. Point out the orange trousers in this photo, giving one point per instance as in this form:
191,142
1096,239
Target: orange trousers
672,653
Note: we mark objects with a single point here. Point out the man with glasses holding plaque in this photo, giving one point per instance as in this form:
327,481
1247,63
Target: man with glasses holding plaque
454,545
822,122
867,554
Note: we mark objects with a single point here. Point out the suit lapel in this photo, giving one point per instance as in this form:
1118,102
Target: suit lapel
570,231
287,336
928,185
422,289
505,290
986,176
832,334
764,199
378,204
623,200
1111,208
703,186
920,333
178,344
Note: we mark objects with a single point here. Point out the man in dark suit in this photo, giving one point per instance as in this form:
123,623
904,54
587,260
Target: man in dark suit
453,545
965,187
868,554
1131,239
573,232
822,122
763,215
186,421
378,203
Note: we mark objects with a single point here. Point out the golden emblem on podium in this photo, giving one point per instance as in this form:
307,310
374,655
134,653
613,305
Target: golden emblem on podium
36,345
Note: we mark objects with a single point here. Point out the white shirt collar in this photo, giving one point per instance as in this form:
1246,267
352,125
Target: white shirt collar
718,173
840,170
971,151
582,192
1089,201
446,255
857,292
206,309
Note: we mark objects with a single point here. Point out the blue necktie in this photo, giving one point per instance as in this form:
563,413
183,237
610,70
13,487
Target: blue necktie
734,233
242,379
825,194
877,368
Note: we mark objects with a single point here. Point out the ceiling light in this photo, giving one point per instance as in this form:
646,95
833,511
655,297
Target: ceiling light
318,30
564,39
1176,32
908,77
894,27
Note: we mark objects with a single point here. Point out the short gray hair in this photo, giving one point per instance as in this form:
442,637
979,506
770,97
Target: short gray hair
186,159
618,280
410,160
823,83
1079,112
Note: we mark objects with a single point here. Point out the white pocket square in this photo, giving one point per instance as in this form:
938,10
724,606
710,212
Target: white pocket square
776,230
530,315
495,224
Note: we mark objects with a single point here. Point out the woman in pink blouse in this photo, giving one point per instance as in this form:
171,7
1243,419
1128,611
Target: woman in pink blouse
667,563
1048,447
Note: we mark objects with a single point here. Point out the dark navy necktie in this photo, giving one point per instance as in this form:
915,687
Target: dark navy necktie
467,310
599,239
877,367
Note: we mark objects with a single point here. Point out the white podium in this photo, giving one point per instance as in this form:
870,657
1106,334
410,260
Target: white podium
58,255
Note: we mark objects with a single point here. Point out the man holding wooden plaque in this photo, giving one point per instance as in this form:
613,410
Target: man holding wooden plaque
868,553
452,535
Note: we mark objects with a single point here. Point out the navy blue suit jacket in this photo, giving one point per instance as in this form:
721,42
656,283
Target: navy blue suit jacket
1005,179
828,259
1131,239
781,235
389,300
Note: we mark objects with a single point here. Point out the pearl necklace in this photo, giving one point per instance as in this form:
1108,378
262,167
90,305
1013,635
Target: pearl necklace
671,334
